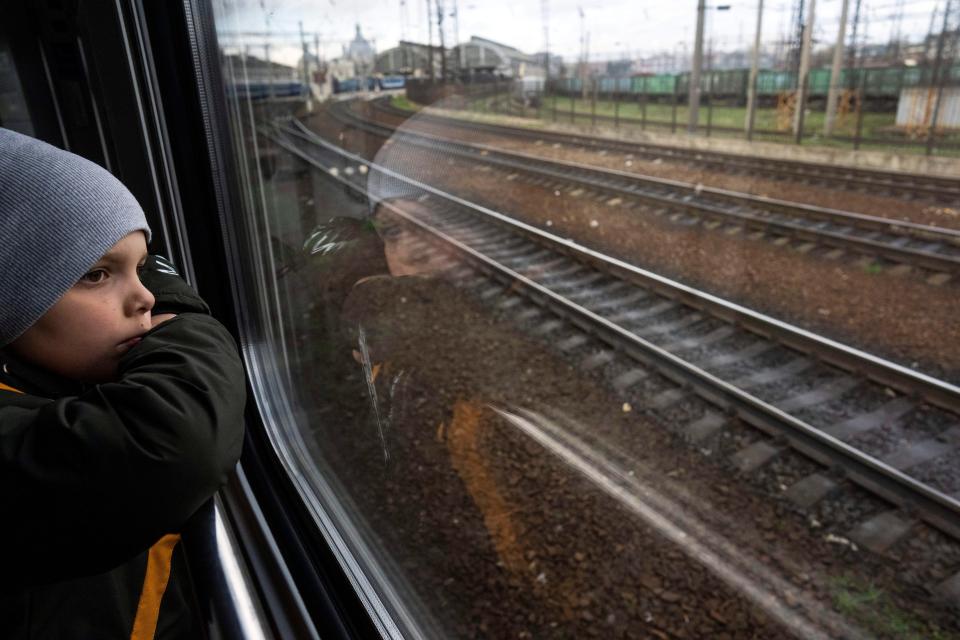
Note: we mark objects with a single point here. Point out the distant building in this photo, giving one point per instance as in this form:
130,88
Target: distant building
255,70
360,52
481,56
341,69
556,63
407,59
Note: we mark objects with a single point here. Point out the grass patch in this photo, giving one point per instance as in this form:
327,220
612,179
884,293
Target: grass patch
878,129
402,102
868,605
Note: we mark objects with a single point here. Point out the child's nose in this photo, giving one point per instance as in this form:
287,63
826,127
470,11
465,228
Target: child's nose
141,300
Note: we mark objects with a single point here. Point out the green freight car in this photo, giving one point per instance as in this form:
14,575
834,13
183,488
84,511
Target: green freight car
880,85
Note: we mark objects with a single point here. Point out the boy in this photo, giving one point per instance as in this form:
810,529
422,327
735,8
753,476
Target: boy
121,406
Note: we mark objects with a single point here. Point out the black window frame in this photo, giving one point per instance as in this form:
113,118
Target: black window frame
148,81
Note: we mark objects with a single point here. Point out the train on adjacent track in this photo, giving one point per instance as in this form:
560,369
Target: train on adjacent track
880,85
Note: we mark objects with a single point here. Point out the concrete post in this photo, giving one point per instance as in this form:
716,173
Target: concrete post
804,71
754,70
834,92
693,90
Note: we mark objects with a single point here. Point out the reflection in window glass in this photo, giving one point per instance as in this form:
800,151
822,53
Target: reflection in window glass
552,366
13,106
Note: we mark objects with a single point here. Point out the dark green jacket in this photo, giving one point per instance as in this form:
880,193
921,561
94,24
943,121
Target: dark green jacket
92,476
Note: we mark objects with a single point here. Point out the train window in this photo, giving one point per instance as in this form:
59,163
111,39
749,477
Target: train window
558,340
13,106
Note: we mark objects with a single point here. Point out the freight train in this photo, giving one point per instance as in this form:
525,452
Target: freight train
879,85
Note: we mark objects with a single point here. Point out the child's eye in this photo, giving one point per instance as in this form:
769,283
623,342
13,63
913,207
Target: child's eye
94,276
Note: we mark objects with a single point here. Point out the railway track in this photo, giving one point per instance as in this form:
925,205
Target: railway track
926,247
889,429
901,184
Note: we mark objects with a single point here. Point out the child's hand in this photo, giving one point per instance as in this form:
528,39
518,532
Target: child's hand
161,317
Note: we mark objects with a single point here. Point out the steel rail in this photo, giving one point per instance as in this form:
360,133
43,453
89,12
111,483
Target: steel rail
933,506
935,391
940,187
865,221
599,179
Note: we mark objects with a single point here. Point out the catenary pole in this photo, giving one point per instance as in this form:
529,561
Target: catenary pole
804,71
433,73
306,68
833,93
938,78
752,80
545,17
693,89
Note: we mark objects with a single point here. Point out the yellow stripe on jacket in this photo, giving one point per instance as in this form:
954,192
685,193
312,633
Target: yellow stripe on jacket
154,585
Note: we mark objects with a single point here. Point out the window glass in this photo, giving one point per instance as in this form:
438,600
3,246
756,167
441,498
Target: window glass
13,106
556,344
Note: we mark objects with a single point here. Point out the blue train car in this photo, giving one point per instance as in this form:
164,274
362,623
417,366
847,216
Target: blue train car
264,90
393,82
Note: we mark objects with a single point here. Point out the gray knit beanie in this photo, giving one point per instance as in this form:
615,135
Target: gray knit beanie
59,213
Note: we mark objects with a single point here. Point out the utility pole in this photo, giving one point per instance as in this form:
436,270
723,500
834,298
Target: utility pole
306,68
929,38
852,56
545,18
583,56
938,77
754,70
804,70
797,42
433,74
834,92
456,26
694,86
443,45
893,48
266,53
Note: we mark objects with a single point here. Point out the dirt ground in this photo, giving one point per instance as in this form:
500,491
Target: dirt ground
500,537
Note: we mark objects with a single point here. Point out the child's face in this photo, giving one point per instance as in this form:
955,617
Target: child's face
83,335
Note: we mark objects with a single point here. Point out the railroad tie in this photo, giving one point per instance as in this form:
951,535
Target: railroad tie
755,456
634,296
668,327
882,531
511,302
810,490
827,391
767,376
596,360
573,342
710,423
924,450
754,349
529,313
720,333
939,279
626,380
667,398
949,589
548,327
890,413
637,314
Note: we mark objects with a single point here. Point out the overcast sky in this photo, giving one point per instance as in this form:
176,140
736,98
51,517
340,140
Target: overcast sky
616,27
